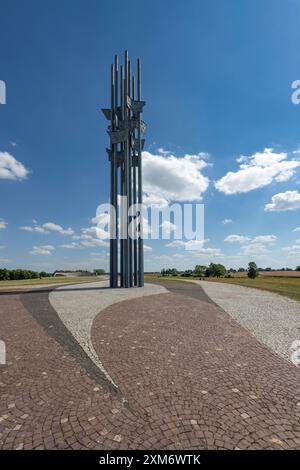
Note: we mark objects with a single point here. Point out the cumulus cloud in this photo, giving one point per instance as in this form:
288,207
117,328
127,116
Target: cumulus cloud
288,201
293,250
259,239
10,168
227,221
195,246
147,248
42,250
3,224
236,239
47,228
35,228
297,229
168,178
254,249
176,244
256,171
168,227
70,246
264,239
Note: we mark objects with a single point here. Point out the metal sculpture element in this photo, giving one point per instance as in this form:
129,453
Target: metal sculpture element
125,154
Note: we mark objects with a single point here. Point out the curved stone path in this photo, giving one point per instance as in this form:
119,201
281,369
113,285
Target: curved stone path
69,302
191,376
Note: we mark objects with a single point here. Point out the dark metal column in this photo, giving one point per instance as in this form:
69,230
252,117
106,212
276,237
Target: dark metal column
125,153
140,186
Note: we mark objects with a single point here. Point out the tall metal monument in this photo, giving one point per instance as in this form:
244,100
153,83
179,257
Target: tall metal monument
125,130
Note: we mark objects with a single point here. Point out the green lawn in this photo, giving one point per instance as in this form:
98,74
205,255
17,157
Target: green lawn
288,286
48,280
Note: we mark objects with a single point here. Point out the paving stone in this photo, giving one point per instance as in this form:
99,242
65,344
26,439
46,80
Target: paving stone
167,410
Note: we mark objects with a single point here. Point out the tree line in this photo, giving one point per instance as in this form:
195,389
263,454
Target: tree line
213,270
18,274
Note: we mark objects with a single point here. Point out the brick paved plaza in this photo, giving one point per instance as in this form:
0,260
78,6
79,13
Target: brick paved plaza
184,375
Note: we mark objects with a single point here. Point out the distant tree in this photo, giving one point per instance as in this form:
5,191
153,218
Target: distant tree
297,268
187,273
171,272
241,270
252,270
268,270
44,274
99,272
207,272
199,270
4,274
217,270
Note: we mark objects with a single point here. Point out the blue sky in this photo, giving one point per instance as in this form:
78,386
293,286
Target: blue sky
217,80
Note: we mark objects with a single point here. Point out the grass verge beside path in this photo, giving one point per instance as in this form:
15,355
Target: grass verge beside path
49,280
287,286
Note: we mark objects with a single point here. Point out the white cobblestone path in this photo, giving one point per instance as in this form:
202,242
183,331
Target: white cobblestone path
273,319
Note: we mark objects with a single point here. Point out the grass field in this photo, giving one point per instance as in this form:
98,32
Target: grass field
288,286
284,285
271,273
48,280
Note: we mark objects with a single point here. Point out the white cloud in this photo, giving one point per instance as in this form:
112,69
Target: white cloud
3,224
256,171
42,250
297,229
176,244
70,246
293,250
89,241
288,201
236,239
147,248
227,221
208,251
10,168
168,227
47,228
168,178
35,228
254,249
259,239
195,246
162,151
52,227
265,239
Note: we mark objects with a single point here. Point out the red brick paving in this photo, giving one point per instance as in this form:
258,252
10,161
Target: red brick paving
199,379
164,352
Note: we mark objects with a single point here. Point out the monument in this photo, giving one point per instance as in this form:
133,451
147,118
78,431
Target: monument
126,130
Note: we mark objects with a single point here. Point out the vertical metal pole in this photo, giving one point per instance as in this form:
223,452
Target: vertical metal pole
122,181
129,179
140,188
116,265
112,189
134,201
126,176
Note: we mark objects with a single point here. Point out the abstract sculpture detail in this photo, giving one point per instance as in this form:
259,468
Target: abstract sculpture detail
125,155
